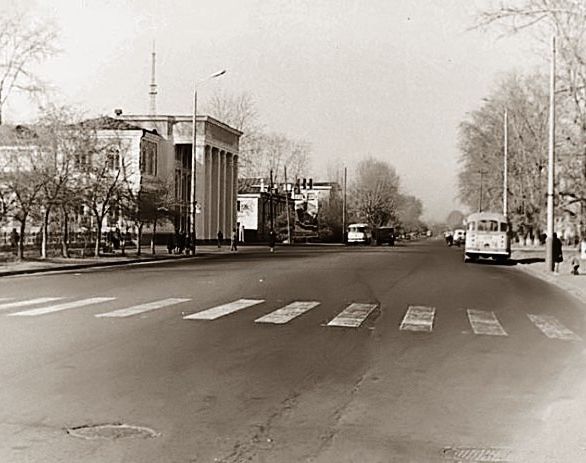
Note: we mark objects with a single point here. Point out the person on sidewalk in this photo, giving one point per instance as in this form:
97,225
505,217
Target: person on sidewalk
558,255
234,240
220,238
272,240
14,239
575,264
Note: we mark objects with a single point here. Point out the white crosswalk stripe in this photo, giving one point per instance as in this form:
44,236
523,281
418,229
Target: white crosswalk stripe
418,318
485,322
223,310
287,313
141,308
353,315
61,307
552,328
18,304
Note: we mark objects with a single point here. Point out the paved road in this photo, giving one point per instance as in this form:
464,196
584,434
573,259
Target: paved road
368,355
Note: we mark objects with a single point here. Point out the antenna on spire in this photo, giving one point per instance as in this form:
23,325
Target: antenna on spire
153,86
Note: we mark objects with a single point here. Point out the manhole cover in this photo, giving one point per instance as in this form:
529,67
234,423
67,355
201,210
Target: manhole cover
479,455
111,431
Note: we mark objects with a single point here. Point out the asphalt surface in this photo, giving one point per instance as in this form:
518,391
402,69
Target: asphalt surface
232,390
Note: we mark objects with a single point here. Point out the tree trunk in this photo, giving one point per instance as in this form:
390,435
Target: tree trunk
21,240
45,233
153,237
99,220
138,239
65,234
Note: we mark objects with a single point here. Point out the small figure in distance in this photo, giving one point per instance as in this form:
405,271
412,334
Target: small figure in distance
272,240
575,264
220,238
234,240
558,255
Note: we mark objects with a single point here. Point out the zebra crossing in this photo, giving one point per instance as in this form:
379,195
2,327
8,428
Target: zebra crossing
417,318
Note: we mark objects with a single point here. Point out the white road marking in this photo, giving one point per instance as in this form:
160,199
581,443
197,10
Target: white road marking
17,304
485,322
552,328
287,313
60,307
141,308
222,310
418,318
353,315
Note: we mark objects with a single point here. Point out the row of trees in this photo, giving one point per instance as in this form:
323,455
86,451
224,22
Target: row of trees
260,151
59,169
374,197
525,97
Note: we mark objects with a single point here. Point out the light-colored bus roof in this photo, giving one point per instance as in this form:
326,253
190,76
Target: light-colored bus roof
486,216
358,225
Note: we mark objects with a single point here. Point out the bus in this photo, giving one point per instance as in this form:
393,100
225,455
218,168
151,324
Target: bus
487,235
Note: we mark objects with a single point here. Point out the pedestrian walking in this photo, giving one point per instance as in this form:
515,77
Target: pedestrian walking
171,243
272,240
558,256
14,240
220,238
181,242
234,240
575,264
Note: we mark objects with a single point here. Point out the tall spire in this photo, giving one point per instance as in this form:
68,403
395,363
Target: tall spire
153,90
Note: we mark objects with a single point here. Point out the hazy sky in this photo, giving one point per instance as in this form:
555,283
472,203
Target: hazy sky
386,78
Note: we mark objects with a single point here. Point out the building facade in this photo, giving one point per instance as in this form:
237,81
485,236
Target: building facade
216,169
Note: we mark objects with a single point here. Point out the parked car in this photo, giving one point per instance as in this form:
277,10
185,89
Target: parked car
359,233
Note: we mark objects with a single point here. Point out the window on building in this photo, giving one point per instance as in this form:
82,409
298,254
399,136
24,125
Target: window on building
148,158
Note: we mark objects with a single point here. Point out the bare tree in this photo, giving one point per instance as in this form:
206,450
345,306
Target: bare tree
482,151
259,151
100,168
375,192
21,179
23,43
567,20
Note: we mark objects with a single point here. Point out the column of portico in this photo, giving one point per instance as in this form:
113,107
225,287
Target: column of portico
222,193
205,206
235,188
230,204
214,191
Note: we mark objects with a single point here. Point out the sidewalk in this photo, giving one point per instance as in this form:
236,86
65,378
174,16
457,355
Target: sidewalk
532,261
37,265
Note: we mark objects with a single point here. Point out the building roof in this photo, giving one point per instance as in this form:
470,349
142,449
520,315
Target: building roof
111,123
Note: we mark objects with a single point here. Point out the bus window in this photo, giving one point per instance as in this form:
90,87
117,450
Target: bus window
488,225
503,226
471,226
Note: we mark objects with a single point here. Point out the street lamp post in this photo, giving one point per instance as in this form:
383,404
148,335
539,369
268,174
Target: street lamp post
193,198
549,257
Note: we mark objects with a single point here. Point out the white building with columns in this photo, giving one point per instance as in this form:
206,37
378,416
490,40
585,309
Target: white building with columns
217,148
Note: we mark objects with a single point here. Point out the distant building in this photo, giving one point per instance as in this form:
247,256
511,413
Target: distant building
160,147
254,210
217,148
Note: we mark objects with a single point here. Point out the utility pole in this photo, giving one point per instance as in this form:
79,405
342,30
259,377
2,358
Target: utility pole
271,200
287,206
344,207
549,261
506,165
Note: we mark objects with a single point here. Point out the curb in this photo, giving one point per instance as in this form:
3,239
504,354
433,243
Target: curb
574,291
81,266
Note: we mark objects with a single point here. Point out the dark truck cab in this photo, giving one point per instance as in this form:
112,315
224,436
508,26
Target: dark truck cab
384,235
